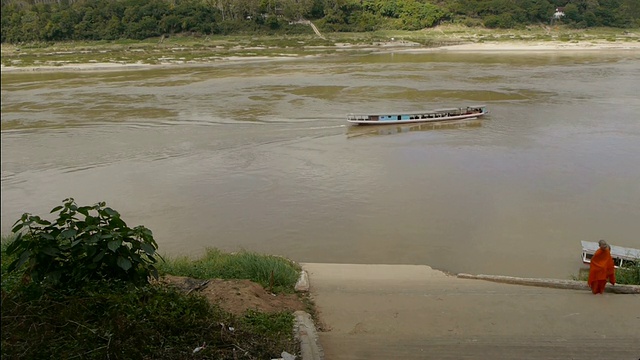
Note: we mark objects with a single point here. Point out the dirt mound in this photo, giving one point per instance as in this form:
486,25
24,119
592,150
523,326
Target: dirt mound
237,296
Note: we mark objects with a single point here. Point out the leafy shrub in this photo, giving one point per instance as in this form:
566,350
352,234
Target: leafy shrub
629,275
83,244
416,15
472,22
9,281
503,21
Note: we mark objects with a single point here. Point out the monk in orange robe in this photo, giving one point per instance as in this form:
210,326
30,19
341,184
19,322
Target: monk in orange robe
601,269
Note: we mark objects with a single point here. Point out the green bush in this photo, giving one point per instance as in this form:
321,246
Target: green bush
9,281
629,275
83,244
472,22
503,21
124,318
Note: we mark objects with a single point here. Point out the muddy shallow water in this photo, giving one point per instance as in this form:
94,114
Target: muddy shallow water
258,156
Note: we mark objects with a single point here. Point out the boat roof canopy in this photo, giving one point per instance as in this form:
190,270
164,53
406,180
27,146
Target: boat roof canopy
445,110
616,251
476,106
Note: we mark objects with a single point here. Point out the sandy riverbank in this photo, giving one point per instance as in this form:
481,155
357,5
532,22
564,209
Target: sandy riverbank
390,46
544,46
107,66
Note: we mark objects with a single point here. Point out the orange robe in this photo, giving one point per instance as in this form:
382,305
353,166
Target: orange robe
601,270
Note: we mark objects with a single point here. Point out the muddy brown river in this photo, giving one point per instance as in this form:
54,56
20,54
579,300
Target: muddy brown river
257,155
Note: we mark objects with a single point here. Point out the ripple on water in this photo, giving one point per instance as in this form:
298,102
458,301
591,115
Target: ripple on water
262,154
438,96
378,130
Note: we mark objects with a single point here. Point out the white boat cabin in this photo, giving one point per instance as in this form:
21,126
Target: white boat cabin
622,257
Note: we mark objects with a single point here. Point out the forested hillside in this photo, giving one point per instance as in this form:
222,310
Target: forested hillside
59,20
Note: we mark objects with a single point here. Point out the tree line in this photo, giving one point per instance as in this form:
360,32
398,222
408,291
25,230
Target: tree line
61,20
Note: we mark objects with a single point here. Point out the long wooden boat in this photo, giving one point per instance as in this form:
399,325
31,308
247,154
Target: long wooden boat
467,112
622,256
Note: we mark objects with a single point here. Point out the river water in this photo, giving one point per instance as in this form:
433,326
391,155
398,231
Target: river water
257,155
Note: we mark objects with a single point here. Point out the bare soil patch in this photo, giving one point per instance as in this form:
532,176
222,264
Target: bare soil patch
237,296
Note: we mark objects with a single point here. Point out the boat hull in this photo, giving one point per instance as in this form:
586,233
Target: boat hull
622,257
463,113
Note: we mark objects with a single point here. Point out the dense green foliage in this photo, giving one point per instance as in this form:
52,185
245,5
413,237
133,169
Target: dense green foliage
75,296
9,280
272,272
117,321
83,244
629,275
61,20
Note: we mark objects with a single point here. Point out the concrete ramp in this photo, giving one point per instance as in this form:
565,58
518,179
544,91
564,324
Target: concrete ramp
415,312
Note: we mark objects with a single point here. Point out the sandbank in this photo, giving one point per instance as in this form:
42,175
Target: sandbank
542,46
106,66
390,46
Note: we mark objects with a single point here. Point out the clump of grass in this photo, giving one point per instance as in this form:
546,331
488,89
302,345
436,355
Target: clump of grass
273,272
629,275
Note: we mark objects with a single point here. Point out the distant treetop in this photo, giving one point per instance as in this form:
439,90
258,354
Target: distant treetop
61,20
